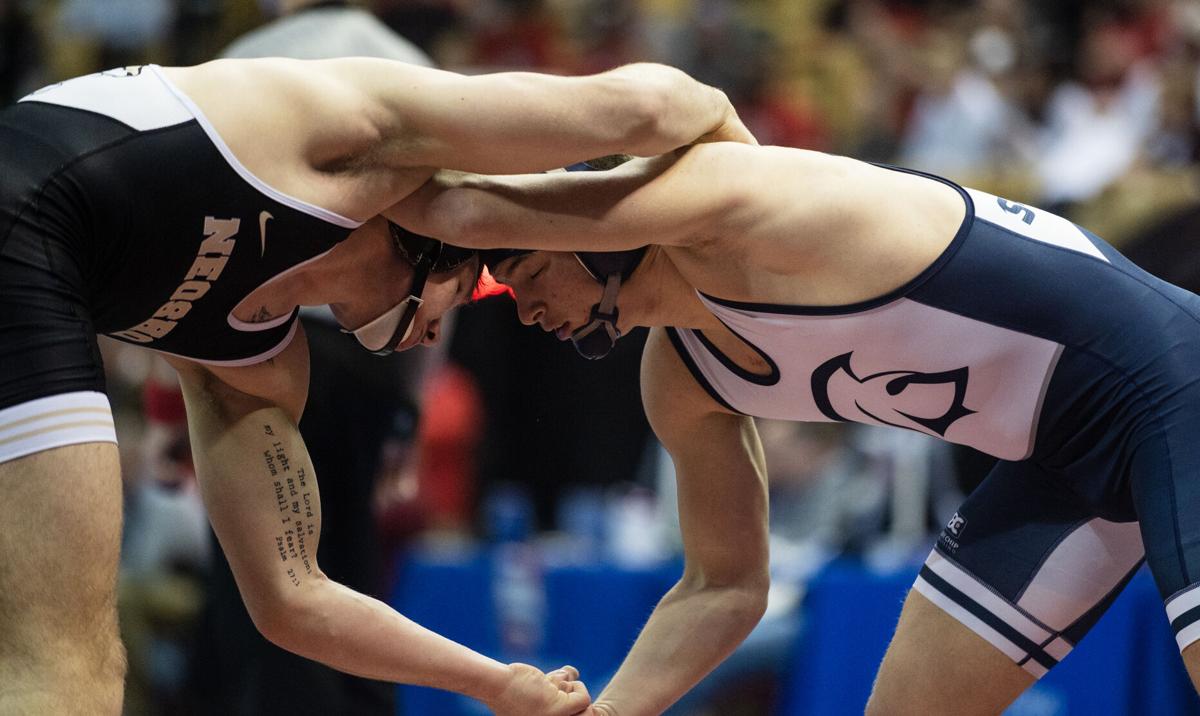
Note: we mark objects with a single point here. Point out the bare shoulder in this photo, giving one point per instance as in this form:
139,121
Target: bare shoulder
335,85
766,188
267,91
306,127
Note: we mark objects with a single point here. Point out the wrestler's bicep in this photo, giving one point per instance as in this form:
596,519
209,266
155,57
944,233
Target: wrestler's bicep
259,488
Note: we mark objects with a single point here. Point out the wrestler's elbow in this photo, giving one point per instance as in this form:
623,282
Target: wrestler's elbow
289,618
741,593
741,605
636,112
750,600
470,217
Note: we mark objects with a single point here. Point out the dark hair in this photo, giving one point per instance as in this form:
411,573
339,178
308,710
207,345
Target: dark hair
610,161
415,248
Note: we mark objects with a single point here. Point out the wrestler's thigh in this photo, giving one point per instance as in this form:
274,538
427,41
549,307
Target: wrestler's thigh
60,533
936,665
1191,659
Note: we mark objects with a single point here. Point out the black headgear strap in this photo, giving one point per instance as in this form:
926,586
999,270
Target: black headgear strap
597,338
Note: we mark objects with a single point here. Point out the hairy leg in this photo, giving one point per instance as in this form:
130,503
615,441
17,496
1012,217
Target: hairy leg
60,533
936,665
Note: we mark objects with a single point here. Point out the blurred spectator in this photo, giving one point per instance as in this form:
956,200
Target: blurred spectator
121,28
1098,125
435,488
319,29
426,23
164,553
811,468
17,51
837,488
962,125
516,34
610,33
719,45
771,109
1177,144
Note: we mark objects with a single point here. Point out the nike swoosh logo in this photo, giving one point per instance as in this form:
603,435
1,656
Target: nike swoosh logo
263,218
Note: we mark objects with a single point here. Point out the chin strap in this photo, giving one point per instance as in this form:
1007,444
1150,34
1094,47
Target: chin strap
597,338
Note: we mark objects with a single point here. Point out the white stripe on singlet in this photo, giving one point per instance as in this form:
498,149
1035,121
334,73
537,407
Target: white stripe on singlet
56,421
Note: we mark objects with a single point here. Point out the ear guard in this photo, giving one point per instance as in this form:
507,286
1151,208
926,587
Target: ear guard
597,338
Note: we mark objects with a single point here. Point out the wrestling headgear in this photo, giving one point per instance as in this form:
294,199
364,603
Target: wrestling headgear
594,340
427,256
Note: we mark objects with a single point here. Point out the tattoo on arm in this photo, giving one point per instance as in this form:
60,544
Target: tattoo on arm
295,501
262,314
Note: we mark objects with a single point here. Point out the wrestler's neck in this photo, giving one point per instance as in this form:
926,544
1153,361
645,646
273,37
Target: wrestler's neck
338,275
658,295
355,268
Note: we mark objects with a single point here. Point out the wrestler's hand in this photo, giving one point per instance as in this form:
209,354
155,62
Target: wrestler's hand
732,129
531,693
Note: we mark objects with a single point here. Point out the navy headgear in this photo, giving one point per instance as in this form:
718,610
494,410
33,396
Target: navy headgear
610,268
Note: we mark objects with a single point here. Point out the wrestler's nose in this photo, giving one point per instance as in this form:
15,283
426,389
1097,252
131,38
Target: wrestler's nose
530,313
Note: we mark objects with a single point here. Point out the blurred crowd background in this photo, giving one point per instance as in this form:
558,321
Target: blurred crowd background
502,439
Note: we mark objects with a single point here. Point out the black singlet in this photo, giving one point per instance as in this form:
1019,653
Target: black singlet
117,190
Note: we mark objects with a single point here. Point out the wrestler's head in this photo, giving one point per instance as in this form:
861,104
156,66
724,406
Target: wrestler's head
403,287
573,295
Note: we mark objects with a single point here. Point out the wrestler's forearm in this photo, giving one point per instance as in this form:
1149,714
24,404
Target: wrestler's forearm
690,633
354,633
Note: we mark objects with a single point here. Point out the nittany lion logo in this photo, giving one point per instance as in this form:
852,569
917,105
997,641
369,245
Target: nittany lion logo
867,396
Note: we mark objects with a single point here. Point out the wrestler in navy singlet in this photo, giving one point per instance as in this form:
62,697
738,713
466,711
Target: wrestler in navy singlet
1034,341
123,212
